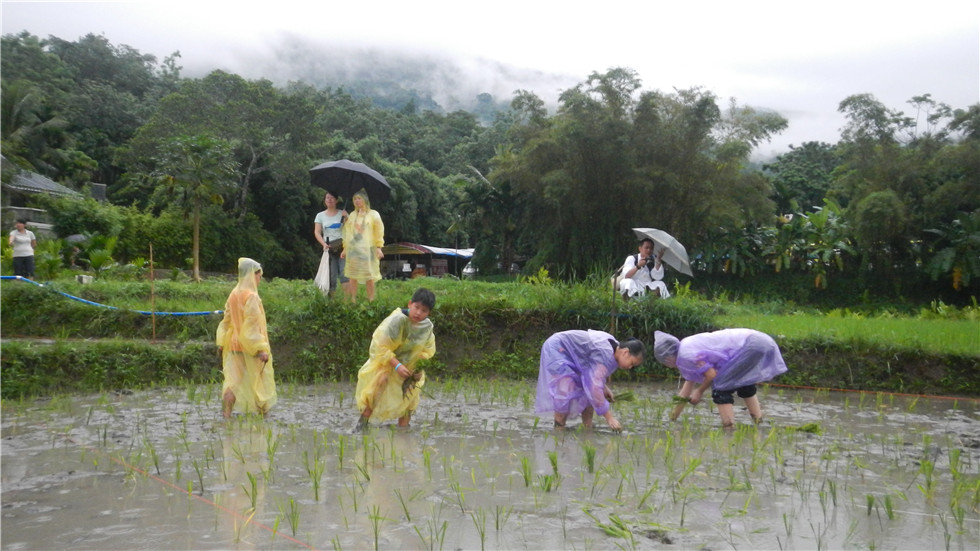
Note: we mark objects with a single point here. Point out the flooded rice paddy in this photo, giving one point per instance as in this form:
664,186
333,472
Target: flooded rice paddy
160,469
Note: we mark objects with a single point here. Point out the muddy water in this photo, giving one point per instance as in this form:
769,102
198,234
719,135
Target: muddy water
159,469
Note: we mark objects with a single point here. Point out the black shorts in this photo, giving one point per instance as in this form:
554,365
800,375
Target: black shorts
725,396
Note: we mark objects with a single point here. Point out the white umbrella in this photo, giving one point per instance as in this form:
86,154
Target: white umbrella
675,255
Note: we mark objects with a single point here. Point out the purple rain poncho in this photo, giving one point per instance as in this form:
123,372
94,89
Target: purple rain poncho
574,368
741,357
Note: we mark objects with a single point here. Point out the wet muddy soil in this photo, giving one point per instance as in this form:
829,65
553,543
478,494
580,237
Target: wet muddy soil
160,469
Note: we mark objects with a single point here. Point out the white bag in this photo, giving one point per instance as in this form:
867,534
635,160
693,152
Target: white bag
322,278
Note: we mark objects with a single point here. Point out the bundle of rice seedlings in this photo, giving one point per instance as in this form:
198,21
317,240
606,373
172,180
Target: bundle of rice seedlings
624,397
411,383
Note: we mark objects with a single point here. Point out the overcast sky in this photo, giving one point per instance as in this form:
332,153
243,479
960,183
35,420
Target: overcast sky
797,58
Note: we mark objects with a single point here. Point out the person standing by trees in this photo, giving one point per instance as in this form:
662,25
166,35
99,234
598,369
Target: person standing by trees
246,358
364,235
24,242
327,228
573,372
389,382
730,361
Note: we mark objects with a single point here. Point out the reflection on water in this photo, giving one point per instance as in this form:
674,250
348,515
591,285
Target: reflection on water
160,469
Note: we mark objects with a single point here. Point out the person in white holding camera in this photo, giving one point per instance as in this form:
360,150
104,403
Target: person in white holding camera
642,272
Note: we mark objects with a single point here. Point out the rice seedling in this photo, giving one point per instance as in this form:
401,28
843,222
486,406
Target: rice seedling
153,455
501,513
928,487
590,450
692,464
479,518
889,507
199,469
819,532
239,527
947,536
314,469
615,528
526,470
626,396
401,500
458,493
549,482
377,519
646,495
352,492
553,459
435,529
271,446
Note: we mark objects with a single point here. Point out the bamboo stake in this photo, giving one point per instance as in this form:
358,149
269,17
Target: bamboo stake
153,310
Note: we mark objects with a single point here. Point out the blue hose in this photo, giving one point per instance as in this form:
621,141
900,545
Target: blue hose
89,302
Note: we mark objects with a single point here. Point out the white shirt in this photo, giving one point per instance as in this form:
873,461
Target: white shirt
644,274
22,242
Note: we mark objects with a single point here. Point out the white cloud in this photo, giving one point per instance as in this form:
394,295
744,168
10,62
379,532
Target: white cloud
800,59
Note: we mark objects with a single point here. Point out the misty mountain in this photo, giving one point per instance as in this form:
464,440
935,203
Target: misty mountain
396,79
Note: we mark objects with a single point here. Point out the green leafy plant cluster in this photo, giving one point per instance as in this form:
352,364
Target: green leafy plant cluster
483,330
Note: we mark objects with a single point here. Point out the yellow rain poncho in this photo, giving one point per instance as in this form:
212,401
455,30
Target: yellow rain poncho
378,385
364,233
242,336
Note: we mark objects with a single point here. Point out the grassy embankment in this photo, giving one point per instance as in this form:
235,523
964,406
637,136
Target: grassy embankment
55,344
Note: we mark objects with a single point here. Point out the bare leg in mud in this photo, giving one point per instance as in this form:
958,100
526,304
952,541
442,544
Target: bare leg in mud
560,419
404,420
755,410
227,403
587,414
362,421
727,414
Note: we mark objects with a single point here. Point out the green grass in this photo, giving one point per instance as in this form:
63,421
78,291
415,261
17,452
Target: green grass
483,329
941,336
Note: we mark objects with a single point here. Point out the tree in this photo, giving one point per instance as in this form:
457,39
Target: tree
30,137
880,223
957,250
827,241
802,177
195,170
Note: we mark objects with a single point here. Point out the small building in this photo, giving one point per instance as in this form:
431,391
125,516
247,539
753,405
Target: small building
17,193
405,260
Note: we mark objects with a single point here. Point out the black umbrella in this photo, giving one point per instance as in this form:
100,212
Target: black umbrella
344,178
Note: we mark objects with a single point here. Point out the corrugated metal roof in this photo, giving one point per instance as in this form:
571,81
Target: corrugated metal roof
414,248
31,182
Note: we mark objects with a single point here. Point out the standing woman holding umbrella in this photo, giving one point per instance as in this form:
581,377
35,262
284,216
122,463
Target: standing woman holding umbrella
364,235
328,229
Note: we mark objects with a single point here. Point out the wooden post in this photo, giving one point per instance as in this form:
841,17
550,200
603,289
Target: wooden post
153,310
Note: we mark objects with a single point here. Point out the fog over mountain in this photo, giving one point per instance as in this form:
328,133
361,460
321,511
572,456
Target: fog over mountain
384,73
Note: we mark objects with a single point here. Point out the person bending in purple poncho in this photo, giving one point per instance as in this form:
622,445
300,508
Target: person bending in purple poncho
574,368
730,361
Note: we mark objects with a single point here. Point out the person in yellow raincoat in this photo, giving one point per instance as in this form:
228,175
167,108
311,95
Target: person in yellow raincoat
389,382
246,358
364,235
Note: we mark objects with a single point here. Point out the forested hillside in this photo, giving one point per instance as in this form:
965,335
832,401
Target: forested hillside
893,205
